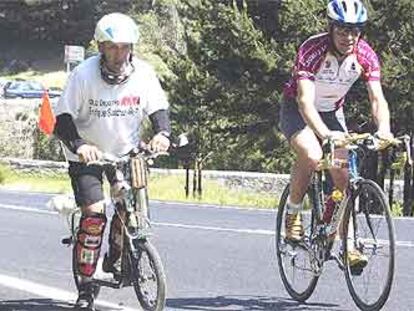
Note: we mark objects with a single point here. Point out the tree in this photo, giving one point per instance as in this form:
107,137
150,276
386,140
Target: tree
224,88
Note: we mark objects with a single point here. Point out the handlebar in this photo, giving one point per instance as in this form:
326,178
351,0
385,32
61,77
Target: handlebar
143,151
365,141
113,160
368,140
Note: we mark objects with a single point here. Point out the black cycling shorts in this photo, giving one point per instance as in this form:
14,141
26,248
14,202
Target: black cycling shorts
291,120
87,182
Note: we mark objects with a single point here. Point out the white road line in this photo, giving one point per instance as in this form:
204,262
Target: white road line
250,231
51,292
27,209
209,228
183,226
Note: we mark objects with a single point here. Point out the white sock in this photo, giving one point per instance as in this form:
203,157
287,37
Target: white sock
293,208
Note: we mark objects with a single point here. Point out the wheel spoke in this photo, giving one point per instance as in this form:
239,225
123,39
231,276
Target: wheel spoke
296,265
373,235
150,281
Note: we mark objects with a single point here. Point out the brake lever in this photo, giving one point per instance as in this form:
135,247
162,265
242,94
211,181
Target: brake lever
328,149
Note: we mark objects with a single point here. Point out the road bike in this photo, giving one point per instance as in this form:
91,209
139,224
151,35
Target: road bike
361,215
140,264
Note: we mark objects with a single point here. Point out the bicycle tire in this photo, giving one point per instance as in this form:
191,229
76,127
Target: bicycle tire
146,250
303,294
367,207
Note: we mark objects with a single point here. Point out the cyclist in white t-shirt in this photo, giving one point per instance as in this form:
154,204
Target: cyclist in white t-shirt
326,66
101,110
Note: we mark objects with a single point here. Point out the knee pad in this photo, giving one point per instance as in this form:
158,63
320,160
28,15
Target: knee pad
88,243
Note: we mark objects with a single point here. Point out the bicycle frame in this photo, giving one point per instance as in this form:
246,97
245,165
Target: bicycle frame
321,231
131,205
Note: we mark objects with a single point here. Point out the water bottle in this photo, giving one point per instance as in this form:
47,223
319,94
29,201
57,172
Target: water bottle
330,205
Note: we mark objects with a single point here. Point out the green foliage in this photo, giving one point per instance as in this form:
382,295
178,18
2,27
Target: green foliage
295,25
397,209
4,173
46,148
223,91
160,32
391,32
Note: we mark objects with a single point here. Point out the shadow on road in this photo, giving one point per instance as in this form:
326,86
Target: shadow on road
35,305
246,303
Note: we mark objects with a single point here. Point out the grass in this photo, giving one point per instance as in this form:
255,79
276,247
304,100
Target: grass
397,209
30,182
172,188
164,188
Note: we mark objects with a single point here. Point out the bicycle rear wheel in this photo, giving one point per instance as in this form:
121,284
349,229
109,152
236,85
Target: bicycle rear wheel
148,276
294,261
368,227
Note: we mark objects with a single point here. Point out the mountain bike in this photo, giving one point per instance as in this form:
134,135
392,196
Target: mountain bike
140,264
361,216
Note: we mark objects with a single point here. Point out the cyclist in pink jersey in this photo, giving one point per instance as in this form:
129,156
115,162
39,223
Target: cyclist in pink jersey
326,66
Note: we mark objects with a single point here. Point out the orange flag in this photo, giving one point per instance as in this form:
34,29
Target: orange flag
46,118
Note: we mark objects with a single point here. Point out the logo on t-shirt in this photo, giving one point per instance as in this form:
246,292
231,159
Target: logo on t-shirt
125,106
353,66
130,101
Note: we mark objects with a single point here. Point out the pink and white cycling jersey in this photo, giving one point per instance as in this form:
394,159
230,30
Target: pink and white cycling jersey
333,79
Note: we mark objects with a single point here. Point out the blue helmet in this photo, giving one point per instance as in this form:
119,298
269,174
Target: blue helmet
347,12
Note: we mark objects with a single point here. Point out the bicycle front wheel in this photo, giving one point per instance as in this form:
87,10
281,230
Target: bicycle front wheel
148,276
294,260
368,228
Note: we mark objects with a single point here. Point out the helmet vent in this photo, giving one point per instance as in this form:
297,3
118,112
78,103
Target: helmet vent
344,6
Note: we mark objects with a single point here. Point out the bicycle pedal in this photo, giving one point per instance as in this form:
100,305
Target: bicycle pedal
67,241
110,282
356,271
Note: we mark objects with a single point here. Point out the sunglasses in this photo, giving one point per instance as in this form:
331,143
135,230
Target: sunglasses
343,30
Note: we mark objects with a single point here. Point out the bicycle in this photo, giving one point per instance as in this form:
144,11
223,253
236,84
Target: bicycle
366,226
141,265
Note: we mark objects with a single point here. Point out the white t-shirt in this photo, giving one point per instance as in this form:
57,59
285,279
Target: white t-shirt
109,116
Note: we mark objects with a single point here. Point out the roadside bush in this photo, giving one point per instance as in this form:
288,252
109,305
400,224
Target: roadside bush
4,171
45,148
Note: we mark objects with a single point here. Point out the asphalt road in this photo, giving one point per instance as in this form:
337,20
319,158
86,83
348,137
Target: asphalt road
215,259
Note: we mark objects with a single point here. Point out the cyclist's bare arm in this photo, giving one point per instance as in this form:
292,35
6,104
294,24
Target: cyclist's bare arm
306,99
380,110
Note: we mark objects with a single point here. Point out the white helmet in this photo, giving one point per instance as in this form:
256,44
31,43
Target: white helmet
116,28
347,12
